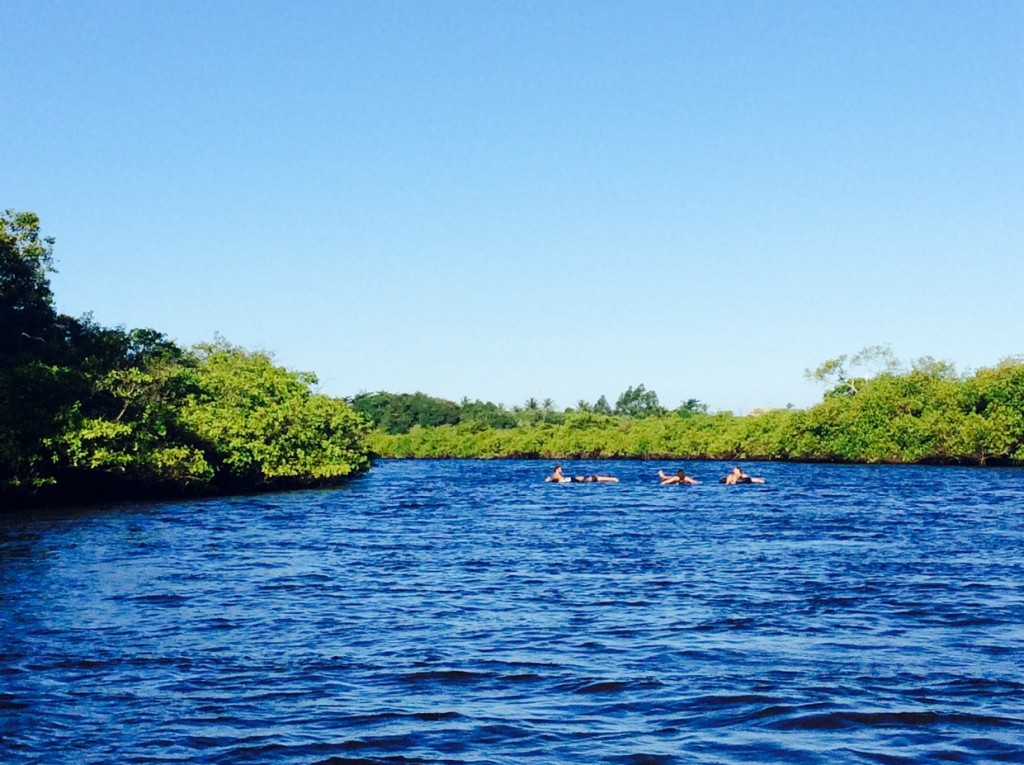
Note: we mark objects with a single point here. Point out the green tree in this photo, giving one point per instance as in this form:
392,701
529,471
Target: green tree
638,402
124,422
488,414
27,316
409,409
399,412
838,375
32,389
372,406
691,407
262,425
998,397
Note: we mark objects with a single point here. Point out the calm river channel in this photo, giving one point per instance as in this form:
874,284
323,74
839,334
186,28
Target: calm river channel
467,612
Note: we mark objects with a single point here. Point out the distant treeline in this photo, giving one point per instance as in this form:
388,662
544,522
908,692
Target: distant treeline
924,413
397,413
90,412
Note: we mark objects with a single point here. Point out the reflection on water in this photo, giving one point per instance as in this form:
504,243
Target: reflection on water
467,612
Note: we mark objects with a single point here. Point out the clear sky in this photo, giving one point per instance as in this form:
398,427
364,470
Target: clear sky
532,198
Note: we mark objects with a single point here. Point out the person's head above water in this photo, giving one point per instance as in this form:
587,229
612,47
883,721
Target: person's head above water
556,475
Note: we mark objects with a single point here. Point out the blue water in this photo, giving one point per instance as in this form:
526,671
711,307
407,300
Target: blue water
467,612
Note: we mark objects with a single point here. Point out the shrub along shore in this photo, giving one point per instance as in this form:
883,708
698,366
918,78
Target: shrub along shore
922,414
93,413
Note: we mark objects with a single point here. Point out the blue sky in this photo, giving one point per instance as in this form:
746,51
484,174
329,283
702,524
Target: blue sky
505,200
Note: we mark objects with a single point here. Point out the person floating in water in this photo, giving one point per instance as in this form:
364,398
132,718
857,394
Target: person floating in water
679,478
558,477
738,476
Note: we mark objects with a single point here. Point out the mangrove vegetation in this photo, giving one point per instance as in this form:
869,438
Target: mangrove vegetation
924,412
92,412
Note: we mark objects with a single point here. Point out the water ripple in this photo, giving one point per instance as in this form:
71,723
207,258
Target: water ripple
465,612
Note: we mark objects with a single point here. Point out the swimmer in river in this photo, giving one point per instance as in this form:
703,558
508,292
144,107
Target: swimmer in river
557,476
679,478
737,476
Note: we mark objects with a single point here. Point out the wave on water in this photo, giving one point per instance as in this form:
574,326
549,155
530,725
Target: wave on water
466,612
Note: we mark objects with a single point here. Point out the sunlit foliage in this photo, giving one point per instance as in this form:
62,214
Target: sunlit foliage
259,422
884,411
93,412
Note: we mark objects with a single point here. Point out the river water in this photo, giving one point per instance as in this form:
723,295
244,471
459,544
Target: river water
467,612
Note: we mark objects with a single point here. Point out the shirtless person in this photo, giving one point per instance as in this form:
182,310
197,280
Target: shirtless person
679,478
558,477
738,476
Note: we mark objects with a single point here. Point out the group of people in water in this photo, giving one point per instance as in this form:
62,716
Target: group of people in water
735,476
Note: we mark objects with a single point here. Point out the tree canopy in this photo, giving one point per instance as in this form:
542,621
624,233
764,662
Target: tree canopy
875,409
89,411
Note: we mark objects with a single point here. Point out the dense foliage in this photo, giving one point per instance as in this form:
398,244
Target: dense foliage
88,411
924,413
261,423
398,413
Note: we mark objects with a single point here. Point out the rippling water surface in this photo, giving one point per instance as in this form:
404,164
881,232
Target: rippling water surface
467,612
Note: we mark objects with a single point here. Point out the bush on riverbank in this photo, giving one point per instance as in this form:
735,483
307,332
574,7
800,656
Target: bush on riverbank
89,412
925,414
